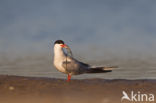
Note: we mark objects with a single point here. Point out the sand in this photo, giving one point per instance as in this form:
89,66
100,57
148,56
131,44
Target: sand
17,89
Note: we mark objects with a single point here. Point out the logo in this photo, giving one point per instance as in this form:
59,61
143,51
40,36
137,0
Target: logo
137,97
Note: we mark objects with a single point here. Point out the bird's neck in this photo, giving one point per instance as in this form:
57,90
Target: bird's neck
58,53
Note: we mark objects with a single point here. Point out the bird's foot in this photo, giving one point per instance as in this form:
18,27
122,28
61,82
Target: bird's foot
68,78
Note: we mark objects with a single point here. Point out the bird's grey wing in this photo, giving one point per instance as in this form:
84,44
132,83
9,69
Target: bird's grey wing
75,67
71,67
84,64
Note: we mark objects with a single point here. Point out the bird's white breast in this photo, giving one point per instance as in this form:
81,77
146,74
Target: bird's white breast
58,65
59,57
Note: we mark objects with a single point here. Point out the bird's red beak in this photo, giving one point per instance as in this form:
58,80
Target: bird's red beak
63,45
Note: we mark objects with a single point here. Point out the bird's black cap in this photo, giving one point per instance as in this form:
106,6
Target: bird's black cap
59,42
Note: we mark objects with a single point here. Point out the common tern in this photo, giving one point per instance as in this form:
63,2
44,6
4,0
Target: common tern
69,65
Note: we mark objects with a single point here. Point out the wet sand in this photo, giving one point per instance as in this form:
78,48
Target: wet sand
17,89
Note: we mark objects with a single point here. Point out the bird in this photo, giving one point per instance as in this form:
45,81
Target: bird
69,65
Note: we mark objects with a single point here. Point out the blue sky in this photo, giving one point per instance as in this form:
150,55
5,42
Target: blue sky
120,27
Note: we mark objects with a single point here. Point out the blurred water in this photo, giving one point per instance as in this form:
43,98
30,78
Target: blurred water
124,29
42,66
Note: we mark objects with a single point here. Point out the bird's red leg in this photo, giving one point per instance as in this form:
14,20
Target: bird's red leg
69,77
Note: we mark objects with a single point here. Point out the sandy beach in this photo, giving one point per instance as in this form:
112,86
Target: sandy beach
17,89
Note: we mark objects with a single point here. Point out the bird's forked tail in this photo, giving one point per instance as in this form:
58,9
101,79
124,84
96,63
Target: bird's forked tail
101,69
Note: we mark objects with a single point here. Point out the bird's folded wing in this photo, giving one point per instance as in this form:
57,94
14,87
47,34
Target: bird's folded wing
70,65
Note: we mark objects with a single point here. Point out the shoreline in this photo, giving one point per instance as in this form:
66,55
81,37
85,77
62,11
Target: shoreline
14,89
